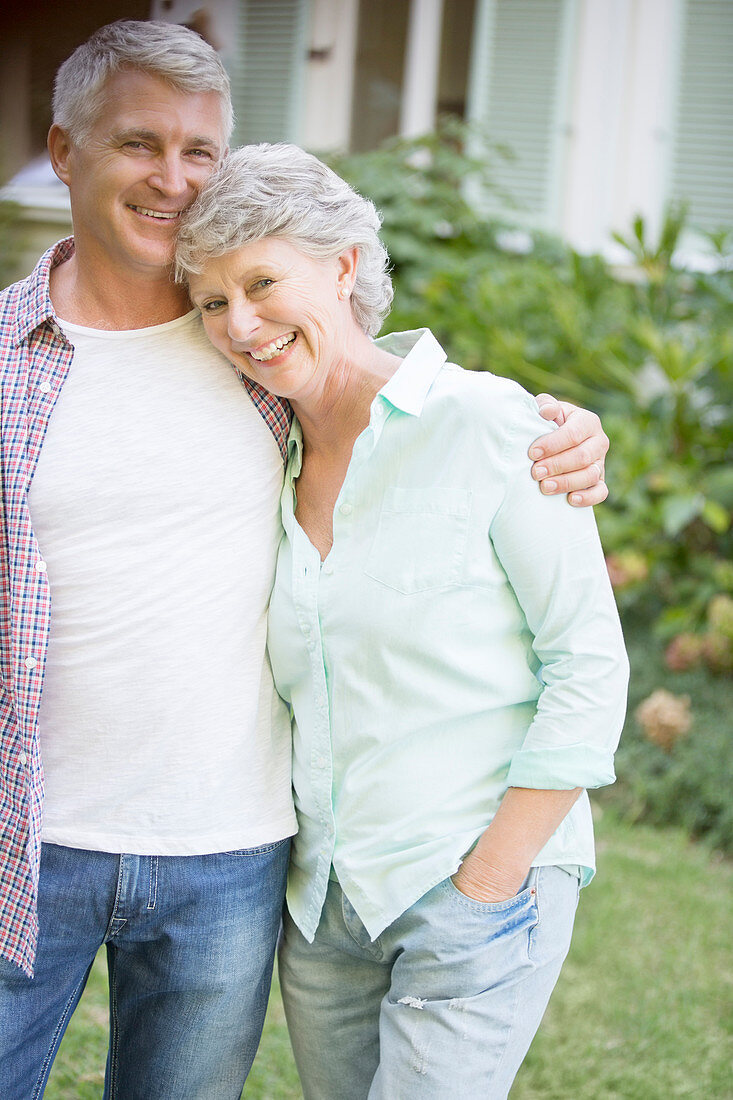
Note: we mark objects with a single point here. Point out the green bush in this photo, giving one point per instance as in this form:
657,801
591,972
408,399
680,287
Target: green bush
689,783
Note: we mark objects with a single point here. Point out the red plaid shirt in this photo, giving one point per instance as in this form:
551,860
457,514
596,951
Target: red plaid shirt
36,357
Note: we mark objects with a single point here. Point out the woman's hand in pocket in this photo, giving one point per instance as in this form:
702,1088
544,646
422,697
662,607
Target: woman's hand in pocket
483,881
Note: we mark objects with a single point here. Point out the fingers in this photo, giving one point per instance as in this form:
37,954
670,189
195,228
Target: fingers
584,487
576,480
588,497
550,408
585,459
579,442
571,460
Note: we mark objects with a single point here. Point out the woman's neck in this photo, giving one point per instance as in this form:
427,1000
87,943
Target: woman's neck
334,415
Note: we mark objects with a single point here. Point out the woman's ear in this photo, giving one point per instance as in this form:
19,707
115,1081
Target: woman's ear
346,271
59,148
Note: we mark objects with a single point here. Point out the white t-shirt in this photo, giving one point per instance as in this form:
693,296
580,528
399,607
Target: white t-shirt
156,507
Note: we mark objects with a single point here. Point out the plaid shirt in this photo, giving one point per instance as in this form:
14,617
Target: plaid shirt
36,357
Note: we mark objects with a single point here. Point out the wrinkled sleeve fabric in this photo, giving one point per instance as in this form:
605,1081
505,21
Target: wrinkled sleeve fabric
553,559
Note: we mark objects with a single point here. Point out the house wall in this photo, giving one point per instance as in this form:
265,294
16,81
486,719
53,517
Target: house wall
618,165
216,20
329,74
37,37
601,136
612,109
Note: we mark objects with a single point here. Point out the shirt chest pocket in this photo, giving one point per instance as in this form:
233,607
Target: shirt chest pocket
420,541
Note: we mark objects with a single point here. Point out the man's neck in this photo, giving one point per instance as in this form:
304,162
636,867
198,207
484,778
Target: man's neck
118,301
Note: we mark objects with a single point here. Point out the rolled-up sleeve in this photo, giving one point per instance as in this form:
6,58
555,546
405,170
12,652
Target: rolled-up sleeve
553,559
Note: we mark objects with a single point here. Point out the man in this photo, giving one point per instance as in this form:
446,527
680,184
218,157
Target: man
147,506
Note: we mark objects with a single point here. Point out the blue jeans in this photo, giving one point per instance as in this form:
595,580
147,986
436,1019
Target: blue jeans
445,1002
190,944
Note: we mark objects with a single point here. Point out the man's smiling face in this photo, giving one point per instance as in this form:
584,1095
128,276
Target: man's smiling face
148,153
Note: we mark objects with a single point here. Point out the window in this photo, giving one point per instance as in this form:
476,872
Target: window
702,161
519,92
267,87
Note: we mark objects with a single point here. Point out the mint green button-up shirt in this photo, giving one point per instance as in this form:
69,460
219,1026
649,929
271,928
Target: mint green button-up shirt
461,637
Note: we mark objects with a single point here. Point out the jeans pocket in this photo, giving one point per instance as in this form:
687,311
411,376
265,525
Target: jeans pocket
420,540
524,901
501,929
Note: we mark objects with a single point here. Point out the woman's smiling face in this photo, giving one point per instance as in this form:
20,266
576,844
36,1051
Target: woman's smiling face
276,313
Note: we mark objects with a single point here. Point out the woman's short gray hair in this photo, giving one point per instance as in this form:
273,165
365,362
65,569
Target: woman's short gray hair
165,50
281,191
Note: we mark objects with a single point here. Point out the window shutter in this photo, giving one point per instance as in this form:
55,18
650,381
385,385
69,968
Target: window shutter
267,86
702,162
519,94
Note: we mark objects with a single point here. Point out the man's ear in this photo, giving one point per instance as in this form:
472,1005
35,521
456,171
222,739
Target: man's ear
59,148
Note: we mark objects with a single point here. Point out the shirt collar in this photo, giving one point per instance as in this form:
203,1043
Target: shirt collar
422,360
34,304
295,444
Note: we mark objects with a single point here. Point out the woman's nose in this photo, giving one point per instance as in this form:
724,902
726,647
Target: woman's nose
242,322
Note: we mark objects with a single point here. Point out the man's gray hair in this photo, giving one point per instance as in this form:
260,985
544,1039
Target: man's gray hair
170,52
281,191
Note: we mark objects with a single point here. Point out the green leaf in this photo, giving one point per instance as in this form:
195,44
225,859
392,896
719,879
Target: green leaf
716,516
679,510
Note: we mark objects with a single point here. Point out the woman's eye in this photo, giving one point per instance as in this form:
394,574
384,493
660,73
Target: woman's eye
213,306
262,284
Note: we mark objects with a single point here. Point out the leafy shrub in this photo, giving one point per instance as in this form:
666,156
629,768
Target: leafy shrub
689,782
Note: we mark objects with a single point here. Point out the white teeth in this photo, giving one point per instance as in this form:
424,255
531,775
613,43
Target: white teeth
265,354
157,213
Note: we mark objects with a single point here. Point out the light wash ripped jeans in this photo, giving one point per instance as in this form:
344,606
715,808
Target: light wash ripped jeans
445,1002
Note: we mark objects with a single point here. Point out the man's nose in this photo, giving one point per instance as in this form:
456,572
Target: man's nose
169,176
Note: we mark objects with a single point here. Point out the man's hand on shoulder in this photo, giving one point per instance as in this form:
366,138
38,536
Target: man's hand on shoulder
570,460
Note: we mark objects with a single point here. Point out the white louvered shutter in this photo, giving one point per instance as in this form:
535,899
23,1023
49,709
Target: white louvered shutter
267,86
702,161
521,70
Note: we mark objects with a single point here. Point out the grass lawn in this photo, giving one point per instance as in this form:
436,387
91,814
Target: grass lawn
642,1010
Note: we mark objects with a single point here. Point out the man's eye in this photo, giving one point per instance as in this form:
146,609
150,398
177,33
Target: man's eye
135,145
262,284
200,154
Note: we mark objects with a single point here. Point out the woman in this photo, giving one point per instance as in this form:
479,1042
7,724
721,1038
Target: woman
446,637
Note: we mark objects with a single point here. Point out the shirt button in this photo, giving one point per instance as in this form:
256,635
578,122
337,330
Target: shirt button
327,568
321,761
30,662
45,387
345,509
23,759
40,567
